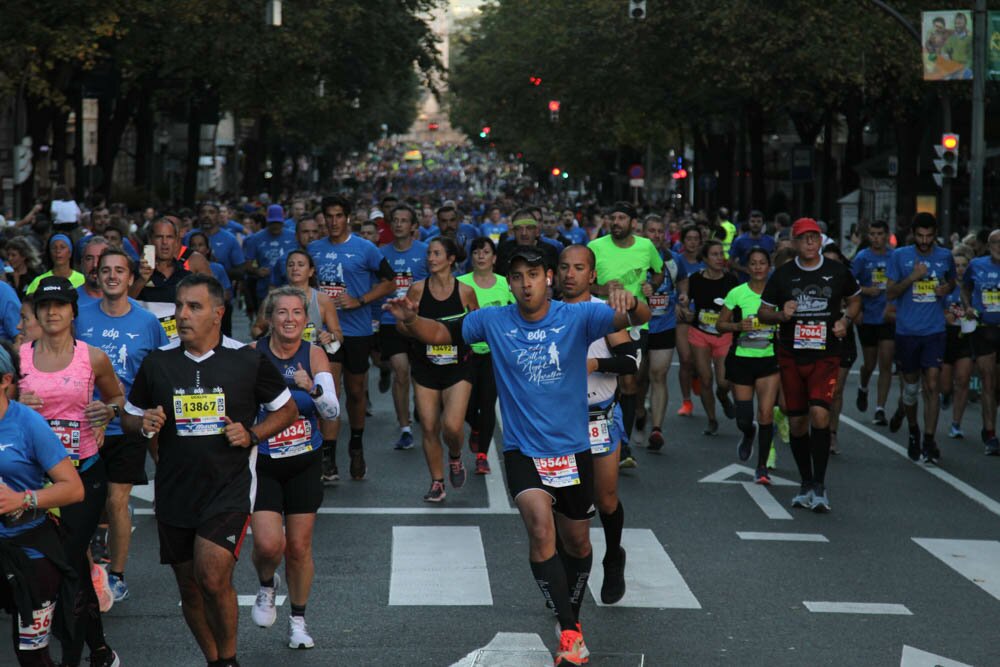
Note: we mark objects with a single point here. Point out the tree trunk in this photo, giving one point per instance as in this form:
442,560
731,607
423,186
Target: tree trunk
144,141
755,129
741,167
854,153
113,117
829,176
193,153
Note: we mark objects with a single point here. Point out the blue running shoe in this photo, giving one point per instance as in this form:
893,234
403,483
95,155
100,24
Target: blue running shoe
405,441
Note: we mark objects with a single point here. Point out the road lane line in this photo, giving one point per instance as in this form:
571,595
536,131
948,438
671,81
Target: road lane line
976,560
965,489
651,578
914,657
782,537
766,502
438,566
857,608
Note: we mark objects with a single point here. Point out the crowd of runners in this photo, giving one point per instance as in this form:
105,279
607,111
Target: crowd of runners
564,320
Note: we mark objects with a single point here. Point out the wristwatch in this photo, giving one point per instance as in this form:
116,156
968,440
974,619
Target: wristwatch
361,301
254,438
117,410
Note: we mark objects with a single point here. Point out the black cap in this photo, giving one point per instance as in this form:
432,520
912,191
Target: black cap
56,288
528,254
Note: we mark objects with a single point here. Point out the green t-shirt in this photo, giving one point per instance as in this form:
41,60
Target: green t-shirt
498,295
760,341
76,279
629,266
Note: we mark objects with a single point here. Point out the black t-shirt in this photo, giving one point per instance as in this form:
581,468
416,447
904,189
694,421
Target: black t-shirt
820,293
199,475
161,288
707,296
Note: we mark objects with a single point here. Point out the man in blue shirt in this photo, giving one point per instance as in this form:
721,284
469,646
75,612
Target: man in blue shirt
226,251
919,278
539,349
353,273
876,334
126,333
10,312
269,246
981,293
571,230
494,226
753,238
306,231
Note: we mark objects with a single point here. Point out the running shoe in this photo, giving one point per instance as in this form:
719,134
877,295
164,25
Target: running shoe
913,449
358,467
329,474
712,428
727,404
405,441
384,381
436,493
456,472
993,447
655,442
862,401
627,460
897,420
482,465
820,503
781,423
956,431
772,458
686,409
264,612
104,657
931,453
298,635
572,650
613,588
804,498
745,448
99,578
761,476
945,401
880,419
640,422
119,589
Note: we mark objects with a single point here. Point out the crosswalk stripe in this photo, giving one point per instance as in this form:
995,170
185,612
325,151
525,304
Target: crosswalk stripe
651,578
782,537
248,600
438,566
857,608
976,560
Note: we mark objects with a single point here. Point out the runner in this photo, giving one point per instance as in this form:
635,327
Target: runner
491,290
441,372
126,333
90,290
752,367
689,258
981,295
408,259
848,355
205,455
607,358
956,365
707,291
804,297
353,273
289,465
754,237
540,349
919,278
877,335
60,253
32,455
59,376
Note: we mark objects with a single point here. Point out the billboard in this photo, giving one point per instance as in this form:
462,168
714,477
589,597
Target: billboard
947,44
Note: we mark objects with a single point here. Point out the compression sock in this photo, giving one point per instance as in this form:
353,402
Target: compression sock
331,445
551,579
356,442
765,434
298,610
613,524
819,445
628,403
803,461
577,573
744,417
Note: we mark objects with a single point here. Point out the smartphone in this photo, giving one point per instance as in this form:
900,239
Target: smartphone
149,254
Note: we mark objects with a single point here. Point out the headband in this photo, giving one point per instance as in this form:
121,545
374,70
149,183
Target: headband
60,237
524,222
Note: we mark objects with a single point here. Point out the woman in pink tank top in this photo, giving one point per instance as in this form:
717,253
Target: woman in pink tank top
58,377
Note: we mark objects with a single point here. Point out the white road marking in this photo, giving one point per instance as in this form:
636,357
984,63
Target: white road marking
438,565
651,578
782,537
965,489
722,476
857,608
766,502
976,560
508,649
914,657
248,600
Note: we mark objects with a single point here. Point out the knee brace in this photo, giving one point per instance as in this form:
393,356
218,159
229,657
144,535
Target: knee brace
911,392
744,416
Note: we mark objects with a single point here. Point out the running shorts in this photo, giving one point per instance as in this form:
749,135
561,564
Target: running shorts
289,485
872,334
717,345
226,530
574,502
916,353
807,384
125,459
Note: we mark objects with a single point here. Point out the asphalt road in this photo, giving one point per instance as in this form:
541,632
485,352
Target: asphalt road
908,562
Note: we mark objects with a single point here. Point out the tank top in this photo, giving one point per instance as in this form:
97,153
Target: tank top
601,387
315,323
303,435
65,394
443,311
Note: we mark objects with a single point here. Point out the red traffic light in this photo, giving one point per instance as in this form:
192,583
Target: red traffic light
949,141
554,105
486,129
679,174
432,127
535,80
556,171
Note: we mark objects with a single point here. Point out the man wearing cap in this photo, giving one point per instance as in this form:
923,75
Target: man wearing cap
754,237
526,234
268,246
805,297
540,349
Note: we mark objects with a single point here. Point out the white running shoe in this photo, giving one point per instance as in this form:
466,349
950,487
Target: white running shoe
264,613
298,636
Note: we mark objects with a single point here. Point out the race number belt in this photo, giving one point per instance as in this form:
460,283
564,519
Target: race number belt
442,355
658,304
309,333
199,414
68,432
333,290
879,278
402,283
558,471
809,336
294,440
169,324
923,291
708,319
991,300
600,429
36,636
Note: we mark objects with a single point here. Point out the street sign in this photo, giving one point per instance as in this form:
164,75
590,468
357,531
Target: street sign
892,168
636,171
22,162
637,182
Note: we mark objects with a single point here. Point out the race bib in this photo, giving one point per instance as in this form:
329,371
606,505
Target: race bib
923,291
442,355
495,238
600,433
200,414
658,304
810,336
403,282
309,333
375,325
708,319
558,471
333,290
294,440
36,636
991,300
169,325
68,432
879,278
757,338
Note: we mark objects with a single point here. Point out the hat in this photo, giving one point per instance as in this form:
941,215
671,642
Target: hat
376,213
275,213
528,254
56,288
804,226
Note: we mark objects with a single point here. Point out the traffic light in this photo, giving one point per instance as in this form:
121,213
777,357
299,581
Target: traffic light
556,171
946,166
535,80
485,132
637,9
554,110
679,171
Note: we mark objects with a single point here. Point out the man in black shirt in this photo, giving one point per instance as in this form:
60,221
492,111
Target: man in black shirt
212,388
526,233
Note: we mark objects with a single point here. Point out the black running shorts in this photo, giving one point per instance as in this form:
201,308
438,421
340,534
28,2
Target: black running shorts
573,502
289,485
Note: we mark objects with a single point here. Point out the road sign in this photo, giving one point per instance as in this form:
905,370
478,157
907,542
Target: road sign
636,171
637,182
22,163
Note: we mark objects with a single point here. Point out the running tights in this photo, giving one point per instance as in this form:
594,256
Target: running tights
481,414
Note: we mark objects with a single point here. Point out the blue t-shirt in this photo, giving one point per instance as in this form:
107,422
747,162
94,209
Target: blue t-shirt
494,231
84,299
739,251
427,233
576,234
10,311
663,303
350,267
919,311
539,365
870,269
126,340
552,242
219,271
268,250
226,249
690,268
982,278
28,450
409,267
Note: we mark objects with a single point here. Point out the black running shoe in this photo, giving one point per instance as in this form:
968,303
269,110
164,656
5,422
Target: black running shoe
330,473
862,401
358,467
945,401
896,421
930,452
745,448
913,450
880,419
712,428
613,588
